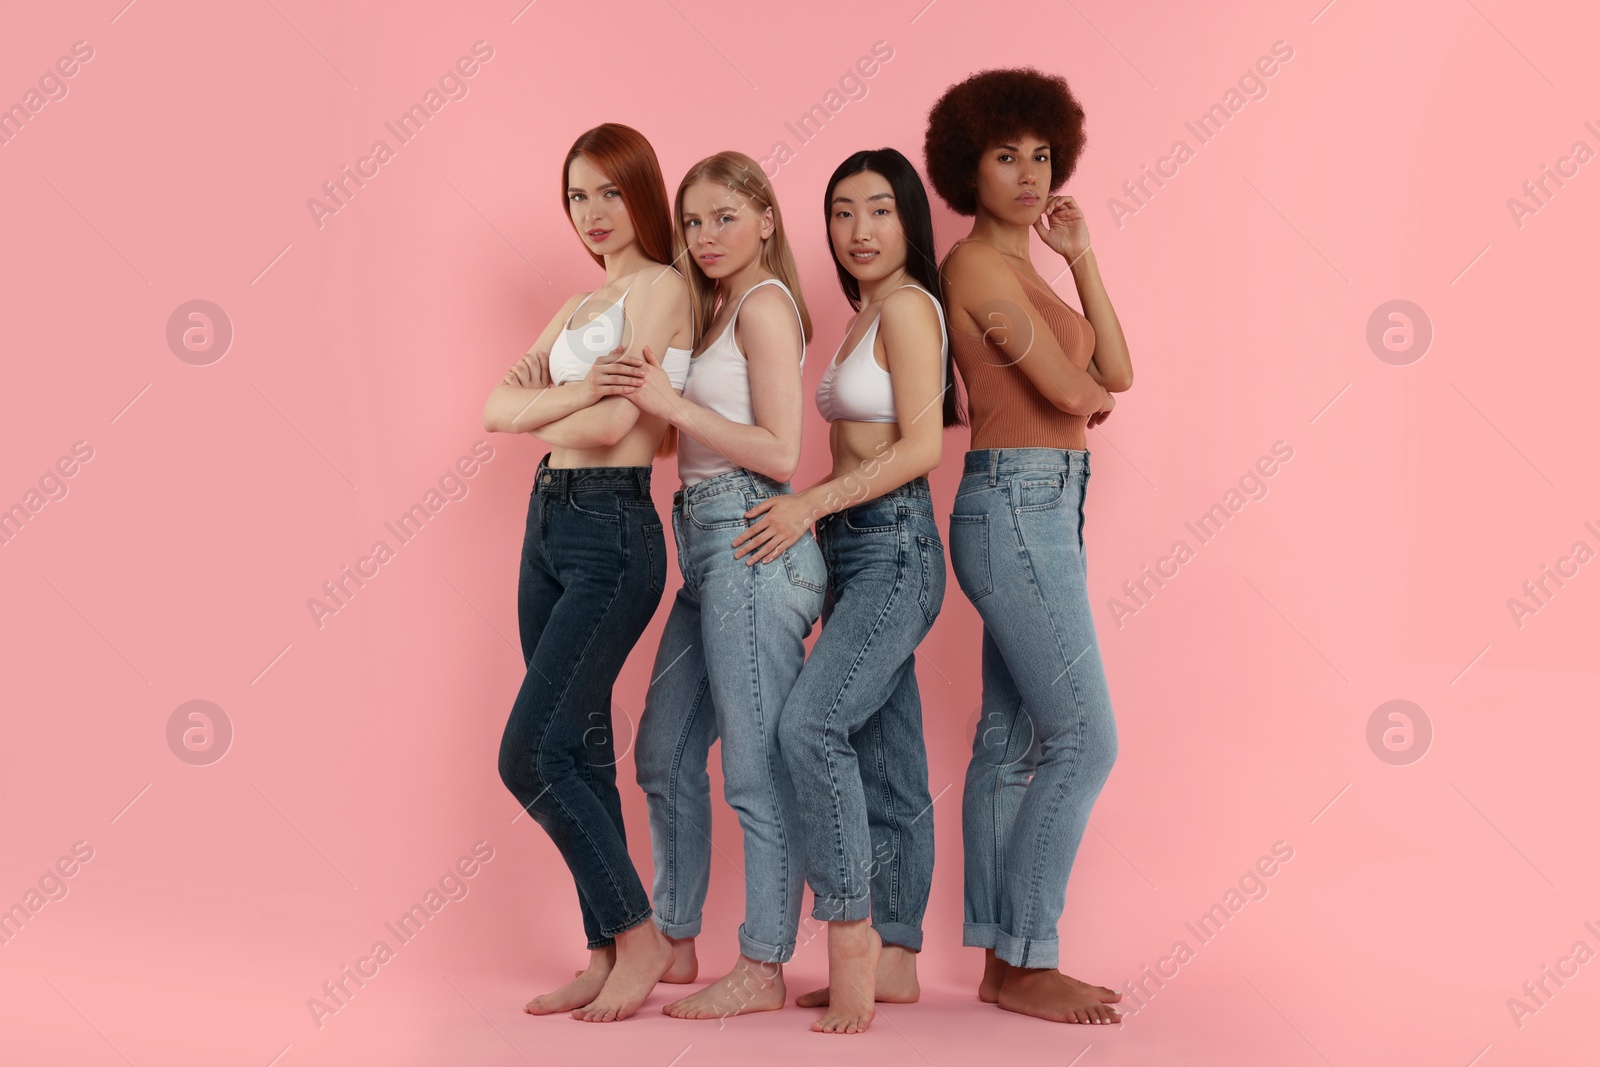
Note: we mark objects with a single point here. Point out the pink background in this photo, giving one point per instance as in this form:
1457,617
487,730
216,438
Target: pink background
219,498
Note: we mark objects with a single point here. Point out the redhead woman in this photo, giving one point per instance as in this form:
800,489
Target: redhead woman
734,641
594,557
1038,375
851,730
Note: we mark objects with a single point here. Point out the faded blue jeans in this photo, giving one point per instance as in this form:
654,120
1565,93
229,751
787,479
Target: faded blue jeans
851,730
733,645
1046,739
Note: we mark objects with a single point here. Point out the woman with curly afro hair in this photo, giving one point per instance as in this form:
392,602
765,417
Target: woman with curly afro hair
1037,375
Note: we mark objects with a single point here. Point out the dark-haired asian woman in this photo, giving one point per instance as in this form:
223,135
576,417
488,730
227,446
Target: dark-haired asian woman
851,728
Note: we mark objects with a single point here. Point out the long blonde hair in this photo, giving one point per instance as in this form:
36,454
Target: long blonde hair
744,176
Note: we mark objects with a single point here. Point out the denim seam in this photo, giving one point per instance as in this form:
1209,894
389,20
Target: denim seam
695,710
1052,803
884,614
750,610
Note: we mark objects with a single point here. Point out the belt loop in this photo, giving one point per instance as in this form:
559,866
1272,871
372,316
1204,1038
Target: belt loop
639,482
994,466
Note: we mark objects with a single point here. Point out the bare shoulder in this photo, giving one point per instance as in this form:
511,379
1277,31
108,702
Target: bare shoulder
911,303
972,257
768,304
767,322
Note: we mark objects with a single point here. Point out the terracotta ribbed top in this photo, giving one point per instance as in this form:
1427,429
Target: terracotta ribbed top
1007,411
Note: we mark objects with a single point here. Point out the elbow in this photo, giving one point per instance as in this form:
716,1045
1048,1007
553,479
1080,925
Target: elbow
612,431
1120,382
783,467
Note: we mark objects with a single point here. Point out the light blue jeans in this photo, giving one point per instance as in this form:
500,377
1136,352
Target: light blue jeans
733,645
851,730
1046,739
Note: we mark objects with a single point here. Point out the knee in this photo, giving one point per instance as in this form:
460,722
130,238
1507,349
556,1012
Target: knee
519,772
652,759
523,770
795,735
1101,752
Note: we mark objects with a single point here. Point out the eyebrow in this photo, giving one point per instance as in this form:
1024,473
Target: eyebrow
602,187
875,196
723,209
1014,148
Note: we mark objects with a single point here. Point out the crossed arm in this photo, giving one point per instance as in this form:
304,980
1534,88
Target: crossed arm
587,413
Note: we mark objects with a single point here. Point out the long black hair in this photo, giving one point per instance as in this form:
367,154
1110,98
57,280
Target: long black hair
916,221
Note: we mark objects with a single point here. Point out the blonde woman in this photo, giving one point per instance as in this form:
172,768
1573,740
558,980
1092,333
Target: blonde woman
734,641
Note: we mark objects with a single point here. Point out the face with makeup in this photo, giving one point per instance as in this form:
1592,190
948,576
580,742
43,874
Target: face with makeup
1014,179
598,213
723,230
864,227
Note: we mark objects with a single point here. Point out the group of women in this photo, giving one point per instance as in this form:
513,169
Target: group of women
823,757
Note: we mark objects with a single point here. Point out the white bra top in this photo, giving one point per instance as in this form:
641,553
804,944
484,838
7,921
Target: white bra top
859,390
719,379
578,348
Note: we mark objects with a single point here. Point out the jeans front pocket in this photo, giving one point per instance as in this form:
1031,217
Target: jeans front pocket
930,556
1039,490
721,511
969,555
655,549
802,562
596,505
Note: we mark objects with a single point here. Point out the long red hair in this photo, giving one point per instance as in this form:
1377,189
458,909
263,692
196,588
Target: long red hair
622,154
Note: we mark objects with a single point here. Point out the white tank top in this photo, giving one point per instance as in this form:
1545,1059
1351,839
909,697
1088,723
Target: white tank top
859,390
576,349
719,379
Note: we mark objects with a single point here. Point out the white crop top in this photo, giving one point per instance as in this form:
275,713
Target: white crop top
578,348
719,379
859,390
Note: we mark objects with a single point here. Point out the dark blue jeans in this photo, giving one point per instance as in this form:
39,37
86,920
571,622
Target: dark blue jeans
594,561
851,730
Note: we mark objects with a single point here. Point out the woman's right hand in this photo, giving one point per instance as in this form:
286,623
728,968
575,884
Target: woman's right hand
532,371
1104,413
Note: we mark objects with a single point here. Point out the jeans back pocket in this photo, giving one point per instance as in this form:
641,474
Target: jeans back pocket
969,555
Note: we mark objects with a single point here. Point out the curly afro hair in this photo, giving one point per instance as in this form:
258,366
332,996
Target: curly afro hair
993,106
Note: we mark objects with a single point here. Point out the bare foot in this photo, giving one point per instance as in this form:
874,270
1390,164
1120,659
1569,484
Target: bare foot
642,956
1046,993
994,972
685,966
854,949
581,990
897,980
749,987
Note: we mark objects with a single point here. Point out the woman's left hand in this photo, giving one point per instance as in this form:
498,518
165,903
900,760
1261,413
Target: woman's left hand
783,520
1068,231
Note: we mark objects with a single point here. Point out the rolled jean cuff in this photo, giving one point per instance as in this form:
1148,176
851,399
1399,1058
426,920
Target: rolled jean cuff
762,952
1028,951
841,909
678,931
900,934
608,938
979,935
